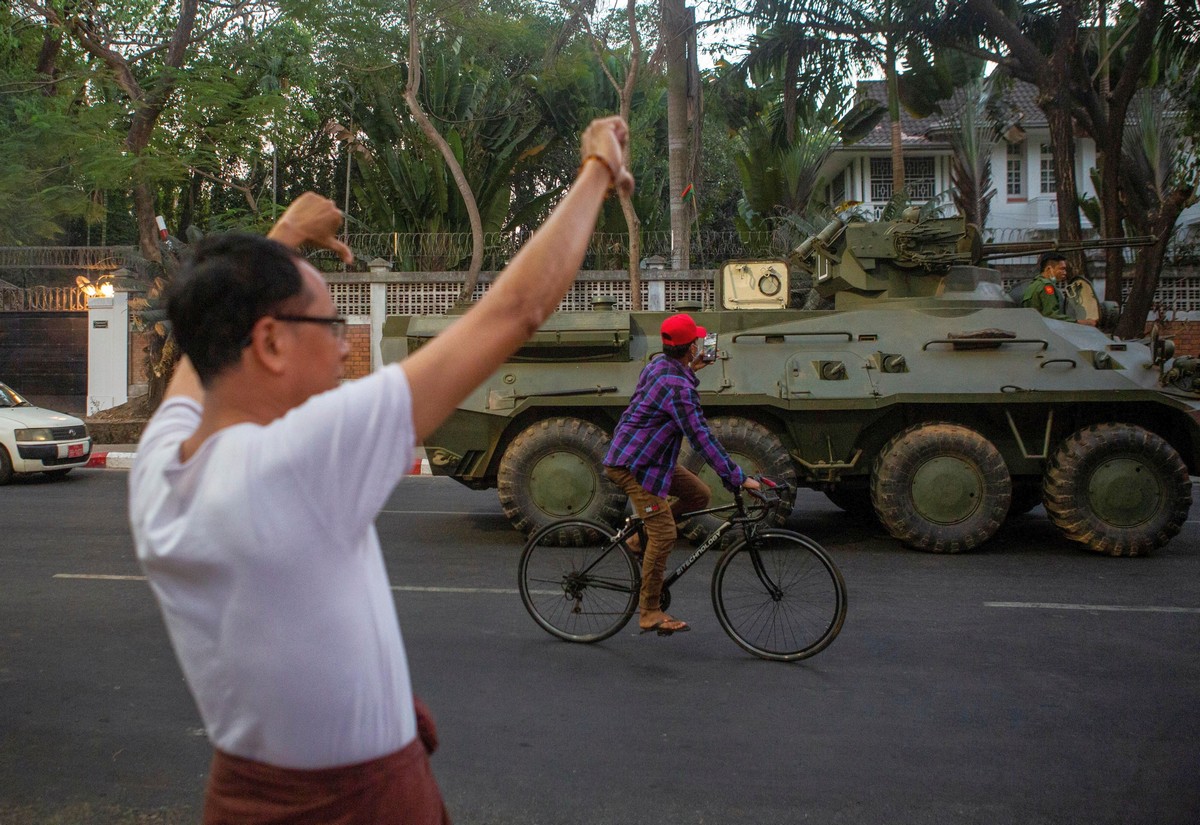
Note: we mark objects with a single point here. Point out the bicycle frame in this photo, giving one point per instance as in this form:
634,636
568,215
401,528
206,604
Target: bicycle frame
742,519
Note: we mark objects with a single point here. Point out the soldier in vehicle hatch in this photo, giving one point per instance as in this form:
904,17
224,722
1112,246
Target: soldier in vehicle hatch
1050,292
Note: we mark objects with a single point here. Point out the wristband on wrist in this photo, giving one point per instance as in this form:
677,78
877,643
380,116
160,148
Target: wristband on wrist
612,175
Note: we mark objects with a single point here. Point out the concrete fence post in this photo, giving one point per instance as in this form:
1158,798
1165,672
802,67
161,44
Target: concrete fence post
108,352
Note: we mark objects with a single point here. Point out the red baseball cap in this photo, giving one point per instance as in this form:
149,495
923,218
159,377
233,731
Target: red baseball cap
680,330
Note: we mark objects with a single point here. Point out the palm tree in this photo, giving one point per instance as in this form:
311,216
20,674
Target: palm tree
971,139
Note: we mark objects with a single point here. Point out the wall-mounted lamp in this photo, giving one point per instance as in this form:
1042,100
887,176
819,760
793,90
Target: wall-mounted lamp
100,288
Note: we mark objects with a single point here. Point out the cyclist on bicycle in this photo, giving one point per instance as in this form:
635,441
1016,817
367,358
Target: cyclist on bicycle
664,408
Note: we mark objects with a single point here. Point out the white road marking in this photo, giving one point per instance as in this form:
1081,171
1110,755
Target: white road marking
1112,608
512,591
443,512
99,577
503,591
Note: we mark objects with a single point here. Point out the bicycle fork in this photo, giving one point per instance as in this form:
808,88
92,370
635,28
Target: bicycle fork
775,592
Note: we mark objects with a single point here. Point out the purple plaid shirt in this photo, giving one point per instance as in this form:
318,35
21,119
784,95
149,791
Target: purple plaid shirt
665,407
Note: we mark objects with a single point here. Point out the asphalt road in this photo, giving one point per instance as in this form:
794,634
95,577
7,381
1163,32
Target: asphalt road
1031,682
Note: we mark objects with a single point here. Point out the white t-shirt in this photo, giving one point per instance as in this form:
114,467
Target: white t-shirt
262,552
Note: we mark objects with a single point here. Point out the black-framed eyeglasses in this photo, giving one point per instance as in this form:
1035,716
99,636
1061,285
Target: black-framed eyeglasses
336,325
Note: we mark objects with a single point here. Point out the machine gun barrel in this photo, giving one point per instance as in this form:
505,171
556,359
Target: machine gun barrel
1021,249
824,238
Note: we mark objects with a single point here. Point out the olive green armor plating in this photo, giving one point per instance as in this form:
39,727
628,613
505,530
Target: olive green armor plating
925,397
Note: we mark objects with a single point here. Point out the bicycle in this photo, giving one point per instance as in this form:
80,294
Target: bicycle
776,592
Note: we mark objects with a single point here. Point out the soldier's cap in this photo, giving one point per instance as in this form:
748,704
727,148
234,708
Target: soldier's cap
680,330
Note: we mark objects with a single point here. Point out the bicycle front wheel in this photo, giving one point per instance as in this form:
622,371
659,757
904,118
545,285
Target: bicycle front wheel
779,596
577,580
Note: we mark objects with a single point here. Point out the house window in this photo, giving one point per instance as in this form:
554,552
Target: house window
881,179
1049,186
1014,171
919,178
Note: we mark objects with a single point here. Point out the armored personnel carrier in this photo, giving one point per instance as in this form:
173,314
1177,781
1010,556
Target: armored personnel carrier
918,391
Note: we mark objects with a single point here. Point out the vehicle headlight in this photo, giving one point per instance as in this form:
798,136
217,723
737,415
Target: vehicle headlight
38,434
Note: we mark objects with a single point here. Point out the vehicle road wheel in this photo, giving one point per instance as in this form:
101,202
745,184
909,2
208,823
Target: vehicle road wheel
755,449
941,487
552,470
6,468
1117,488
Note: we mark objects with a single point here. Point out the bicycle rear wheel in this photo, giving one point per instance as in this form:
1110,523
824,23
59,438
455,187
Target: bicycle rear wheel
780,597
578,581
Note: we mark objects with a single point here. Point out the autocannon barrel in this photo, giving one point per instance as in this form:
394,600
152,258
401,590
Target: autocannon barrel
1016,250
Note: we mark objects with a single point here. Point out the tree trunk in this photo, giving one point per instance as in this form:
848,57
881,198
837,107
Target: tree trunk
435,137
1111,225
1108,109
893,95
1062,145
48,61
1148,266
632,222
143,207
791,73
1109,165
675,36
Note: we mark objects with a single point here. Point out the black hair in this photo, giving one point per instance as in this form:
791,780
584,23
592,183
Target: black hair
675,351
1047,257
230,281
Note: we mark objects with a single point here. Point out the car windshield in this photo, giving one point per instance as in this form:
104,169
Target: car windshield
9,398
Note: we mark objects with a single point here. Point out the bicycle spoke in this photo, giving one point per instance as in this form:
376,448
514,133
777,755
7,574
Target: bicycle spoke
781,598
579,593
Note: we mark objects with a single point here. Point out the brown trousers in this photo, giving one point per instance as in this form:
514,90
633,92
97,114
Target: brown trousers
396,789
689,493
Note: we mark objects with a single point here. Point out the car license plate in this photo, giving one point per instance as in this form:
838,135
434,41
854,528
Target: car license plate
74,450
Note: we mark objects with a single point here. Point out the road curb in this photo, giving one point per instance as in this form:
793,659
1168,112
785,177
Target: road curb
105,460
110,460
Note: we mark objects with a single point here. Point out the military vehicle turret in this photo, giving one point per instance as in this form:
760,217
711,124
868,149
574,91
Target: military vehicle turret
925,396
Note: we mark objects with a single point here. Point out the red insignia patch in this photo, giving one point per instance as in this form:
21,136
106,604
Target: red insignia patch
1049,289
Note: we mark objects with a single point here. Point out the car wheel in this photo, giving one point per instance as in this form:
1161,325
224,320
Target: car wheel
6,468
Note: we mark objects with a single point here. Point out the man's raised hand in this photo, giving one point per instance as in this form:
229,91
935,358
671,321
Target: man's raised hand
311,219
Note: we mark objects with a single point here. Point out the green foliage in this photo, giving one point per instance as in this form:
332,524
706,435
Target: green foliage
778,177
972,137
39,145
403,183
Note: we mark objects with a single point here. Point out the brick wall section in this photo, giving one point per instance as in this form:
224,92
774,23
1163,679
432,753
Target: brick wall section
359,362
1185,334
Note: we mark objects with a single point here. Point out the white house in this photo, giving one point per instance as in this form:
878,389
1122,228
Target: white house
1024,206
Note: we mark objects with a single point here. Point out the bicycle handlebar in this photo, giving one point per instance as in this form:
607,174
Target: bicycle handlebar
769,494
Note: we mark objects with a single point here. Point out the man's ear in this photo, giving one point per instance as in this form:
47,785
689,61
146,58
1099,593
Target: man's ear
268,345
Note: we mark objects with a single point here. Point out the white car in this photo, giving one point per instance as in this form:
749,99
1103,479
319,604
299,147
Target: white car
34,440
